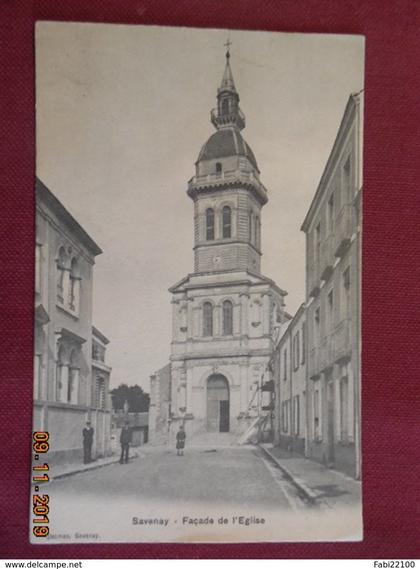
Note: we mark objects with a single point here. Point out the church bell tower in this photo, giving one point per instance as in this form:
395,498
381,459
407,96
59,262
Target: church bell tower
225,312
226,190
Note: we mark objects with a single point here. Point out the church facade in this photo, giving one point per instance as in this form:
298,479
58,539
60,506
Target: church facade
225,313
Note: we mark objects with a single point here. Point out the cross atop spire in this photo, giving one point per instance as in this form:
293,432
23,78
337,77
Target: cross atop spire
228,83
227,46
228,113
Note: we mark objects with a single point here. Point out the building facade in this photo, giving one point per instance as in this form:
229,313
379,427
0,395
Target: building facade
289,371
101,402
225,312
160,405
333,259
64,392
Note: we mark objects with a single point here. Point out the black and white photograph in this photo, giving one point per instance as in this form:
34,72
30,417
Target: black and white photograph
197,339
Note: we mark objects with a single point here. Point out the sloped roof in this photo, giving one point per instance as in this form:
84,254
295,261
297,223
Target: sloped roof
223,278
45,195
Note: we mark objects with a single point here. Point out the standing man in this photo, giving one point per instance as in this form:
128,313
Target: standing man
87,442
125,440
180,441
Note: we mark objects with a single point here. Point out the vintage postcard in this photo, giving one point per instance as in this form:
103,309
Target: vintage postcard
197,350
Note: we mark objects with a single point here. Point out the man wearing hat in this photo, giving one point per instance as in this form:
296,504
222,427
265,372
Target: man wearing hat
87,442
125,440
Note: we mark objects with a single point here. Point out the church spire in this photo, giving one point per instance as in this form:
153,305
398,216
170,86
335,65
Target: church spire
227,113
228,83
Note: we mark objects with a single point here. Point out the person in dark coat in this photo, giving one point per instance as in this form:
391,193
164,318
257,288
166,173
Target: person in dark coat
180,441
125,440
87,442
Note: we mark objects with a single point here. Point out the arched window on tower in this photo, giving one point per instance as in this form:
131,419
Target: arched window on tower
227,222
227,318
209,224
218,167
225,107
207,319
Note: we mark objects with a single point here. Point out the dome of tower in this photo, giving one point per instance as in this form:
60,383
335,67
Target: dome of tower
227,142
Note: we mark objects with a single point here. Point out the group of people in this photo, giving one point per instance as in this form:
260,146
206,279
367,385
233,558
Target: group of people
126,436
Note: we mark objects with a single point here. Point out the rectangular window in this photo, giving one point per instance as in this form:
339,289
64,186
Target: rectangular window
285,408
100,393
296,415
347,194
303,342
58,382
344,402
330,214
296,351
227,318
330,309
98,352
227,222
346,291
317,242
207,319
283,417
317,325
285,364
61,274
210,224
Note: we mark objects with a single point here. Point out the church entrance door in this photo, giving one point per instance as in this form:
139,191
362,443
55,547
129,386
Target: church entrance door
218,407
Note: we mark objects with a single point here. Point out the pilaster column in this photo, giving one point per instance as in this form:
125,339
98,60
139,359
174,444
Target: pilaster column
196,310
244,320
266,316
188,379
217,320
175,325
244,394
74,375
237,318
64,381
187,306
234,221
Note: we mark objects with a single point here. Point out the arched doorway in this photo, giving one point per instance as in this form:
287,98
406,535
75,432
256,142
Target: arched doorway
218,410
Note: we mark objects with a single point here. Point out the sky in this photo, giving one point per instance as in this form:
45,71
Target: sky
122,113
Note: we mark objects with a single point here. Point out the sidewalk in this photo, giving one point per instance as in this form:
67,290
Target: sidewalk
64,470
318,484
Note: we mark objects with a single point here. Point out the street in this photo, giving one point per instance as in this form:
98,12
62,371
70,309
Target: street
223,475
166,489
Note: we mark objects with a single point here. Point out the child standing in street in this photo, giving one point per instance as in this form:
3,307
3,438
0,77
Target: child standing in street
180,441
